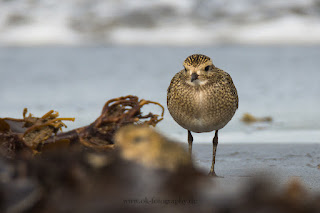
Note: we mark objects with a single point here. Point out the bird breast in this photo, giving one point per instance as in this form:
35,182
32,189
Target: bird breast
202,108
199,105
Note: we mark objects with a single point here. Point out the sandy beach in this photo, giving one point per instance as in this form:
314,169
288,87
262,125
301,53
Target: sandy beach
237,163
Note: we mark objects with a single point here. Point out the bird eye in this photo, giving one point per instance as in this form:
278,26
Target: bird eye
207,68
138,139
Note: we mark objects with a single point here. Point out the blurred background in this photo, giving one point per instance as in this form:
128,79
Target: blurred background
159,22
74,55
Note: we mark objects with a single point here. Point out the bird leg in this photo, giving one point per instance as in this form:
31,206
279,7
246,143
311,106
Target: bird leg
190,140
215,144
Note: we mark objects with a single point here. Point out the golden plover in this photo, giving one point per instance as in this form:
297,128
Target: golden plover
202,98
143,145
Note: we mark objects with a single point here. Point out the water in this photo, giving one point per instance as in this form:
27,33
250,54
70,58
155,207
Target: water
277,81
180,22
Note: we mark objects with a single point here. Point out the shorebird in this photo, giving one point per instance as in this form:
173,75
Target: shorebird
145,146
202,98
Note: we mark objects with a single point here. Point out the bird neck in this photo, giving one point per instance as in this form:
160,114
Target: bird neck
196,83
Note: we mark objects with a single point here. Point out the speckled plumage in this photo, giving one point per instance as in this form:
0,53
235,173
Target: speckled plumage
202,108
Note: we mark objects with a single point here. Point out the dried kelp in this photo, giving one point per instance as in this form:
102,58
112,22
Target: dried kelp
116,113
38,134
249,119
28,134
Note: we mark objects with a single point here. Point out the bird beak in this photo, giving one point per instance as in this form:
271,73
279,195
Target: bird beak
194,76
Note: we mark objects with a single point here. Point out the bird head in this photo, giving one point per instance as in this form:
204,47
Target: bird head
138,142
145,146
197,69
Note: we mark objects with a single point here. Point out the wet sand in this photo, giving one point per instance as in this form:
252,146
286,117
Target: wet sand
237,163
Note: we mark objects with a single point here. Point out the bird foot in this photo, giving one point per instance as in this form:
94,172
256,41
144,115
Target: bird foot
213,174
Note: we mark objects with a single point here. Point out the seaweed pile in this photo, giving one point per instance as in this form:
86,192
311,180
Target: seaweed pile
32,135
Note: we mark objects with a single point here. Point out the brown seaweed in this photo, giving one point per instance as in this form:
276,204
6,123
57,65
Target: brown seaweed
249,119
36,134
116,113
27,134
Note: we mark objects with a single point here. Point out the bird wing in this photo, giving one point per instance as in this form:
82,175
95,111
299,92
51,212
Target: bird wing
231,86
